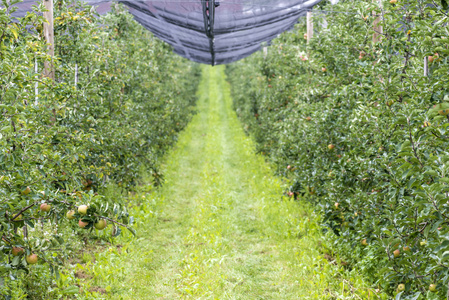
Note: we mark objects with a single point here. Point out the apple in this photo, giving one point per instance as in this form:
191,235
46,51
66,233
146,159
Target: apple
31,259
430,59
364,242
45,207
290,194
305,36
406,248
82,209
308,119
70,214
339,155
323,69
433,287
289,167
101,224
423,243
396,253
331,146
401,287
82,224
393,1
16,251
336,205
26,191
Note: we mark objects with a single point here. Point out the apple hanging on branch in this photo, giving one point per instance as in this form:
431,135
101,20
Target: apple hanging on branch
82,209
17,251
31,259
101,224
82,224
70,214
45,207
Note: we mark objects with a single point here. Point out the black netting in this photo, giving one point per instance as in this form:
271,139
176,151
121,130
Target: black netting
236,29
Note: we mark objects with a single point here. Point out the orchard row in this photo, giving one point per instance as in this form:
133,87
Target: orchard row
69,146
362,132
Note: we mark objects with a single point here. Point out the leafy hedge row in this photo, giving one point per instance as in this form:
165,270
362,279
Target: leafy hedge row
63,142
363,134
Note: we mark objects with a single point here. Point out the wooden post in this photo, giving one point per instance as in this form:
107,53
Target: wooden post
309,26
377,25
36,87
265,52
426,66
49,38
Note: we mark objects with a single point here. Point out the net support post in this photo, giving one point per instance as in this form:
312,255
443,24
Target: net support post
426,66
309,26
377,25
49,38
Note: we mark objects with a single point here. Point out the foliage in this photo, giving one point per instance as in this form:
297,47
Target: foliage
118,101
363,134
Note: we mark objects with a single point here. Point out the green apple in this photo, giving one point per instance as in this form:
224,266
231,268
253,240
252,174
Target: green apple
70,214
433,288
101,224
31,259
401,287
26,191
82,209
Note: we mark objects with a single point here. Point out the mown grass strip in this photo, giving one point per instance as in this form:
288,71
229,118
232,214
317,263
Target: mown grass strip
223,230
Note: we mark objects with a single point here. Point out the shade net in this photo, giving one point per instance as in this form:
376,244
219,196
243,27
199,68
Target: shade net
208,31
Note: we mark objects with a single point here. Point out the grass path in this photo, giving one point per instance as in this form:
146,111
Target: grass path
219,228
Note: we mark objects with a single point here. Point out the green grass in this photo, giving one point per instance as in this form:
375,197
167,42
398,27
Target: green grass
220,228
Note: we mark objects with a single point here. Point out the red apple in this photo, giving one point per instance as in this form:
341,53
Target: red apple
16,251
45,207
396,253
82,224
